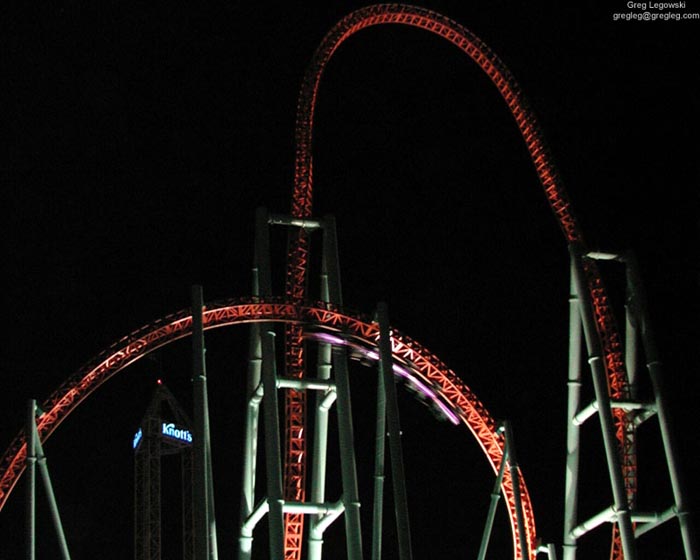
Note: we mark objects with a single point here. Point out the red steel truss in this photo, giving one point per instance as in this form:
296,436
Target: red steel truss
141,342
556,195
296,313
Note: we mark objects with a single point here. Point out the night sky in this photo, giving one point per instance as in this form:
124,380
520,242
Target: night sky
142,138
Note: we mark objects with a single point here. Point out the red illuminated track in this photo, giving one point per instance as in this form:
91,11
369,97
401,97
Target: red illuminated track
296,313
525,119
129,349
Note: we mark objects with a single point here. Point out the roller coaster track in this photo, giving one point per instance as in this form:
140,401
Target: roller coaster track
296,282
421,364
296,313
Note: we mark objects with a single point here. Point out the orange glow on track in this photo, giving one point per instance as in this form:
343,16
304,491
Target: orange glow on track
296,313
423,364
556,195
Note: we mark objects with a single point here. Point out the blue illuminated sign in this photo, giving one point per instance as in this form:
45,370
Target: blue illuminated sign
168,430
176,433
137,438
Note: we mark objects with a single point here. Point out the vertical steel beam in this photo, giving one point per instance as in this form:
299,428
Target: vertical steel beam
261,286
262,268
331,261
320,443
273,456
53,506
573,450
654,366
397,471
201,497
320,452
351,494
631,334
139,510
205,523
330,293
379,449
152,489
348,471
250,445
595,359
30,437
252,421
187,510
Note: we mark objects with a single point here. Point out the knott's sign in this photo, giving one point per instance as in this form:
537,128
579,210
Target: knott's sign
137,438
168,430
181,434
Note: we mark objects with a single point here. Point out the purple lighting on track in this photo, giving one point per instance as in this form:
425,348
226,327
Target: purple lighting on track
330,339
398,370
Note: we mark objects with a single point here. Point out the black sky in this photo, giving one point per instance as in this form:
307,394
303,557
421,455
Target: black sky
143,137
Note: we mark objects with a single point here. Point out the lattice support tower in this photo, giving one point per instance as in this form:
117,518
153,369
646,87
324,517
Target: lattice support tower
617,411
285,504
164,430
286,486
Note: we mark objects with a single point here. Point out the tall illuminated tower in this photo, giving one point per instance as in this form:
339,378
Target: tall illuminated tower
164,430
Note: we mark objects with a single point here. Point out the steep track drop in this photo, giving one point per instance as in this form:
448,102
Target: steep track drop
556,195
295,312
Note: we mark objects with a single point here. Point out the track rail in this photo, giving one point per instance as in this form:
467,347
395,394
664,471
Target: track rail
295,313
548,175
127,350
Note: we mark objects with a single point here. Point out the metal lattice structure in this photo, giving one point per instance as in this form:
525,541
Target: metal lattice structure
151,443
628,521
556,195
302,319
424,366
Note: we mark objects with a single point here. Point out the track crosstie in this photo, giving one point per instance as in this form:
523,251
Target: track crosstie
501,77
296,312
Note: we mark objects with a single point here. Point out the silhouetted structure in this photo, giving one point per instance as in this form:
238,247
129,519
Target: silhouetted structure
164,430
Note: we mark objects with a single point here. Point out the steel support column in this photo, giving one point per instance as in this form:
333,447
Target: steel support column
638,304
595,359
319,456
205,523
348,471
573,432
273,455
30,435
329,275
379,450
262,282
261,286
264,383
53,506
397,471
254,394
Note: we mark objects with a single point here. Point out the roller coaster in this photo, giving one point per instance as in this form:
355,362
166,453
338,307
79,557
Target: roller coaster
342,333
